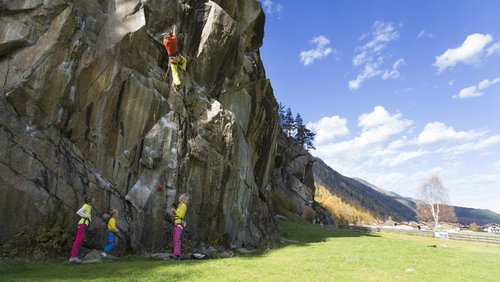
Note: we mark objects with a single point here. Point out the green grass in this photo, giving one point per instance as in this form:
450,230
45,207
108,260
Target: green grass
322,255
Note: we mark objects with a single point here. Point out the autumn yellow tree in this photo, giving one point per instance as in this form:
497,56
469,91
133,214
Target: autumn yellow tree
343,212
473,226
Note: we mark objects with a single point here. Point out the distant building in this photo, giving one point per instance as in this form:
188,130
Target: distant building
492,228
423,226
389,222
450,227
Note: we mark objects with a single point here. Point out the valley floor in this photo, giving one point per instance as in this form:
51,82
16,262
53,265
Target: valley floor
322,255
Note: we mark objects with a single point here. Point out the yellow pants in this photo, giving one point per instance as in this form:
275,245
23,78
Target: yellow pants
179,59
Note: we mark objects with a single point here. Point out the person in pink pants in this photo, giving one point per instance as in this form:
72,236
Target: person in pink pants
85,213
179,224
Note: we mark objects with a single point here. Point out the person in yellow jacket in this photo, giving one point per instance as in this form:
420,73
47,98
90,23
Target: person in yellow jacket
179,224
85,213
111,233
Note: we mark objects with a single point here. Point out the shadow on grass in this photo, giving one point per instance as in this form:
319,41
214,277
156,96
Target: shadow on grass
140,268
298,229
126,268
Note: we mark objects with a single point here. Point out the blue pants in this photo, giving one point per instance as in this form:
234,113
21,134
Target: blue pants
111,242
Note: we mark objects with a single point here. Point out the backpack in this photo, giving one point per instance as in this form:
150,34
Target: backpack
106,217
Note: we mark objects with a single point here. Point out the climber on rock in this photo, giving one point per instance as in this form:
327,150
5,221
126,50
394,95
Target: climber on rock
174,57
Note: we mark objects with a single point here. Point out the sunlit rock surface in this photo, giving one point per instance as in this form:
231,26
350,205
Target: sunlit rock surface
87,106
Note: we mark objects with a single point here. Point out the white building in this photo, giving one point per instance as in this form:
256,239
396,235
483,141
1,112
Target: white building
492,228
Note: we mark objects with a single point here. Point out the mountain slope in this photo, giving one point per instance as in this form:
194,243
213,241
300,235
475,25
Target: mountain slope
379,204
382,203
464,215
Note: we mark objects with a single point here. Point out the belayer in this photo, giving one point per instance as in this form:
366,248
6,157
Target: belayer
85,214
174,57
179,225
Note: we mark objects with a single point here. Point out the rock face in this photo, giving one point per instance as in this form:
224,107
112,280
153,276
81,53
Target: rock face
87,107
294,177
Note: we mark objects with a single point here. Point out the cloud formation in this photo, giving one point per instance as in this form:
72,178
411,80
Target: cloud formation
370,55
475,145
435,132
370,70
389,152
375,127
320,51
474,91
494,49
402,158
328,128
382,141
394,73
470,52
424,33
270,7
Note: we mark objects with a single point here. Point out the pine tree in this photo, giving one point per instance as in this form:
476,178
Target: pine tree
289,123
281,116
299,134
303,136
294,128
309,139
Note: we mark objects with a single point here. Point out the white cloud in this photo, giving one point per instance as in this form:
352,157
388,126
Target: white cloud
473,91
379,126
370,70
382,33
468,92
452,82
469,52
488,83
383,153
376,127
369,56
319,52
394,73
328,128
436,132
279,8
398,144
361,58
488,142
379,116
487,178
474,146
424,33
401,158
270,7
494,49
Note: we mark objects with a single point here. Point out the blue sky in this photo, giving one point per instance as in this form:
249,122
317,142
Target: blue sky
395,90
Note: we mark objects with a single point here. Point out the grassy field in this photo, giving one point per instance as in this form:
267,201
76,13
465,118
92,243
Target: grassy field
322,255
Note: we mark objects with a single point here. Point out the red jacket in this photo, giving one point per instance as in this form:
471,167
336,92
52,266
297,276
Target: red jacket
171,45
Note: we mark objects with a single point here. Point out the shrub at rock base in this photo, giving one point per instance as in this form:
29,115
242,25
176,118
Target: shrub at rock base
51,237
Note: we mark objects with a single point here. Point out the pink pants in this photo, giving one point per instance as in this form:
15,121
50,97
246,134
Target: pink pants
80,235
176,240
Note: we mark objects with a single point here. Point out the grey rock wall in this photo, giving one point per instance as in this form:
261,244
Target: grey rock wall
87,107
293,175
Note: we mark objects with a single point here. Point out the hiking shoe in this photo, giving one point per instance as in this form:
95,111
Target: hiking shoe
75,260
176,258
